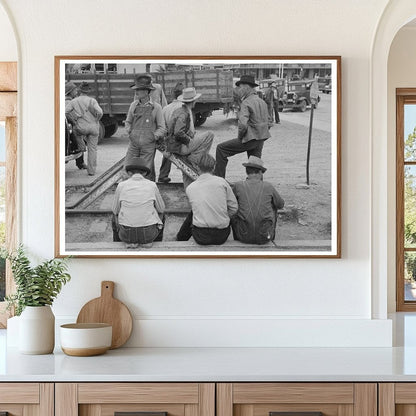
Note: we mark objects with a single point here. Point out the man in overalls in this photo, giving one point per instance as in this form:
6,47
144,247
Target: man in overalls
144,125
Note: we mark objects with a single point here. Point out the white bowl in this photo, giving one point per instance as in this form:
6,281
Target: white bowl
84,340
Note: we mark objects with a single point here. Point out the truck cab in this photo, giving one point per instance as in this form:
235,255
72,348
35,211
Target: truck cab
298,95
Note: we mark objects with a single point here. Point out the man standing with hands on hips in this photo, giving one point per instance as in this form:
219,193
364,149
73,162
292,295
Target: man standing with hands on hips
253,126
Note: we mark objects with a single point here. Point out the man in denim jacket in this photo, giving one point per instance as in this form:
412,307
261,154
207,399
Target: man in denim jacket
258,202
253,126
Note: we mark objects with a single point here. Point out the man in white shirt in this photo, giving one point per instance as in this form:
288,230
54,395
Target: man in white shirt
136,208
213,204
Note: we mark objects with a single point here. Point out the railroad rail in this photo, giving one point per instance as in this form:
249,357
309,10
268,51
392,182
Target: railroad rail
88,216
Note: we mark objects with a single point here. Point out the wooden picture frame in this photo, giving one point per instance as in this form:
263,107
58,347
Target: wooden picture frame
302,155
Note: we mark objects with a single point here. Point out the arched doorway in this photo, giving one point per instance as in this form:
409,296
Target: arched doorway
8,150
396,15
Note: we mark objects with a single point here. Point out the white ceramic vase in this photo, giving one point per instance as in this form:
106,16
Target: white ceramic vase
37,330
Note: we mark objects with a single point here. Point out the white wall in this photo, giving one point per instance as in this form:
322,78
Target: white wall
8,46
212,302
401,74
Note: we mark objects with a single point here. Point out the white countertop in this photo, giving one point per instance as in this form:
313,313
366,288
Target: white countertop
215,364
222,364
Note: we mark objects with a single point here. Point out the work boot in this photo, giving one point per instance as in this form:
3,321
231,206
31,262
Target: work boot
132,245
164,180
146,245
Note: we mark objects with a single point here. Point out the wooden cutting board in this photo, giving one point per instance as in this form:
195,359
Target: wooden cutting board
107,309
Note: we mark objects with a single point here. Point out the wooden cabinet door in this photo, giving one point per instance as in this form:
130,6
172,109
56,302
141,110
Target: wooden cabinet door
297,399
143,399
26,399
397,399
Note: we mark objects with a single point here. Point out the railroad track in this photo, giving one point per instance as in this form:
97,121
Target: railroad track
88,209
88,213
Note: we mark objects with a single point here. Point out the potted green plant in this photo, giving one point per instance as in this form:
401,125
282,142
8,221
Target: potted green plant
36,289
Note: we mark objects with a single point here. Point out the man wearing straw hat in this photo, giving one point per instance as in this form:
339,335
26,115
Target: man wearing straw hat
258,202
144,125
181,133
85,114
253,126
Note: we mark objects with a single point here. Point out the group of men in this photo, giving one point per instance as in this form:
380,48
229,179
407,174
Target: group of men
249,208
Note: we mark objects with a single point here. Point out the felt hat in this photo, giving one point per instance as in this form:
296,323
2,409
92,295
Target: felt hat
142,82
137,163
178,87
255,162
188,95
84,87
247,79
69,87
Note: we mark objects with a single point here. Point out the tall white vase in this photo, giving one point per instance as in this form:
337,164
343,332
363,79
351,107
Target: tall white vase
37,330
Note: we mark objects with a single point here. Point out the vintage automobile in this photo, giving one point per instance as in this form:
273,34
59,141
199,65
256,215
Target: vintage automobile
298,95
71,151
280,85
327,89
323,81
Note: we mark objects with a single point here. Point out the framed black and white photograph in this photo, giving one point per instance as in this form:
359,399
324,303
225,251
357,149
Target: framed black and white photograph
198,156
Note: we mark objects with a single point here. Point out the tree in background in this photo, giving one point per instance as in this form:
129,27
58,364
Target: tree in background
410,205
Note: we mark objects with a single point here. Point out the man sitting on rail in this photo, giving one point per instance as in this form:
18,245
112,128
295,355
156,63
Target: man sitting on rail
137,208
258,202
181,137
213,203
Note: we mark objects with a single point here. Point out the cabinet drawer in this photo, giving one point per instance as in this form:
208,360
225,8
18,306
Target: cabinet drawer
397,399
270,399
107,399
21,399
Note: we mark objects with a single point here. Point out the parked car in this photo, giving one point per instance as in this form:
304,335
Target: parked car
327,89
280,85
298,95
71,151
322,82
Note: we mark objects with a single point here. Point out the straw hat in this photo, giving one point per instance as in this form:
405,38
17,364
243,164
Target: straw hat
255,162
188,95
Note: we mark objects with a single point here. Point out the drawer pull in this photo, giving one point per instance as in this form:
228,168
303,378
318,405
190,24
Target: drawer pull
295,414
140,414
